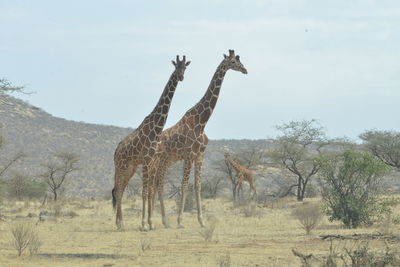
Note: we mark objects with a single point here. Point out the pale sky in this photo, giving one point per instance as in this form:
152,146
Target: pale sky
107,62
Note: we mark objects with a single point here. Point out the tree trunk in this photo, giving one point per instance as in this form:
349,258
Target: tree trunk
55,195
299,190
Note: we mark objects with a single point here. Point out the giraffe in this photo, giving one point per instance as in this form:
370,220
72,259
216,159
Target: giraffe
187,141
139,147
242,174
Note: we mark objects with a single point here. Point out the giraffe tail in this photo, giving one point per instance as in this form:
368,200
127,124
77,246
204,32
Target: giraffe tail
114,200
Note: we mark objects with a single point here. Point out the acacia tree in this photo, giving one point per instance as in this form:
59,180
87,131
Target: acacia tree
57,172
298,149
385,145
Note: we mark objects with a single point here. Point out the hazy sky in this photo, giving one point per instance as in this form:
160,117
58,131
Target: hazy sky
107,62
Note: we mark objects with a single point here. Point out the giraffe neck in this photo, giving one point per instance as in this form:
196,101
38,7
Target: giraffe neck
160,112
234,164
208,102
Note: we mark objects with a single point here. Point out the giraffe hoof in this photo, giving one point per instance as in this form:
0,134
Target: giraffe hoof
143,229
166,225
180,226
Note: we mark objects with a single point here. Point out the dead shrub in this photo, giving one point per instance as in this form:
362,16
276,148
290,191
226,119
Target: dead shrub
251,210
309,215
34,244
24,236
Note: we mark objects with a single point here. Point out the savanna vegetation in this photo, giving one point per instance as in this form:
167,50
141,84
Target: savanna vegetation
320,202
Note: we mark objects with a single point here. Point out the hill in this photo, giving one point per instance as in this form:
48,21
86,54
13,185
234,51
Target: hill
39,135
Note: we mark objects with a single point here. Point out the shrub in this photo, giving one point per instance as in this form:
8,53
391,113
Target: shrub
34,244
208,231
21,186
309,216
144,244
251,210
225,261
23,237
190,201
351,185
363,256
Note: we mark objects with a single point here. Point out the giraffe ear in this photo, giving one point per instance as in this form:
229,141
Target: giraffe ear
225,56
237,57
187,63
173,63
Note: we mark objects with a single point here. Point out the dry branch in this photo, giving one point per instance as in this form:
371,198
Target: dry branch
362,237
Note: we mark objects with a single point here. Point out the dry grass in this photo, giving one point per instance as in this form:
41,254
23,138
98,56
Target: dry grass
91,239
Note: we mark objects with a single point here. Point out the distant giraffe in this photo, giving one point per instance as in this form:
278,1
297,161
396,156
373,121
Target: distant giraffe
187,141
139,147
242,174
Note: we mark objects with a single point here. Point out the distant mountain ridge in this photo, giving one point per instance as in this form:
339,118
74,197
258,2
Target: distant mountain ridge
39,135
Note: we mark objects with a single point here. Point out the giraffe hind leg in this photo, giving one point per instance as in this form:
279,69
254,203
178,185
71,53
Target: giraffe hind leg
121,180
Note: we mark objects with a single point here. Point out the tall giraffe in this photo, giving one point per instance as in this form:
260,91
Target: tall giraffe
139,147
187,141
242,174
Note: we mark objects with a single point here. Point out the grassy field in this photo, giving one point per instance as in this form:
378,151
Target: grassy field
90,238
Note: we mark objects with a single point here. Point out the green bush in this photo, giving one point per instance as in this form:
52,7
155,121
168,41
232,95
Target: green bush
351,186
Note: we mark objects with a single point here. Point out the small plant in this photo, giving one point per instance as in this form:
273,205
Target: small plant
208,231
34,244
57,208
308,215
225,261
363,256
145,244
251,210
23,237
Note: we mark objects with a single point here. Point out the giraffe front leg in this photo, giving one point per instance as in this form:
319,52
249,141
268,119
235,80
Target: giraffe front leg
144,198
160,190
162,206
197,187
184,187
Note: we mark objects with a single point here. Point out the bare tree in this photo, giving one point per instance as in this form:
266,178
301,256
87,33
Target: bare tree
8,87
57,172
298,150
212,185
385,145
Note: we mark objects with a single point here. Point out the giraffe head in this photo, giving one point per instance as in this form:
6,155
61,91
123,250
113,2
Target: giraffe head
226,155
233,62
180,67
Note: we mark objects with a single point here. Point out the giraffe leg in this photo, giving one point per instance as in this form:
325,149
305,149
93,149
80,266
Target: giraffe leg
159,178
184,187
197,187
121,180
145,186
253,189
